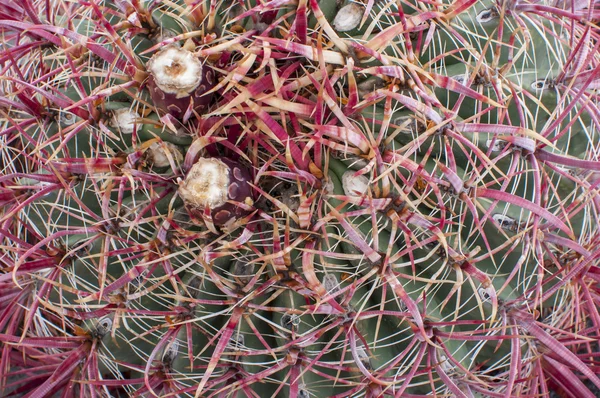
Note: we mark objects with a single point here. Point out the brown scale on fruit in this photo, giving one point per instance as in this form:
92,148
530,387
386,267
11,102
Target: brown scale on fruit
175,69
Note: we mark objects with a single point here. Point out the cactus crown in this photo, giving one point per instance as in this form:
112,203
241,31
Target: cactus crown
299,198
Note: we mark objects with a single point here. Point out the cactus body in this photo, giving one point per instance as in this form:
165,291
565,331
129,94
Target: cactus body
309,198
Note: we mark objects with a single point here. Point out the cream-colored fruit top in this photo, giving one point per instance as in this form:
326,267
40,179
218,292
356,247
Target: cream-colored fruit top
176,71
206,184
348,17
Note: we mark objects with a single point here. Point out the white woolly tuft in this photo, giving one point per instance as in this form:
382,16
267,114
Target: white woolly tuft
355,185
486,16
505,222
497,147
160,153
176,71
124,120
348,17
329,187
330,283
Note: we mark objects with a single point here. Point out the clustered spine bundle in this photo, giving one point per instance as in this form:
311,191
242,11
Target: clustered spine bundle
299,198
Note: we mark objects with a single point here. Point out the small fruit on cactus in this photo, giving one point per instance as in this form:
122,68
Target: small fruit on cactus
348,17
179,81
414,210
214,184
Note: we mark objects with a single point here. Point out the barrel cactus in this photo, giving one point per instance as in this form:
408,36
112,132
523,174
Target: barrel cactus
299,198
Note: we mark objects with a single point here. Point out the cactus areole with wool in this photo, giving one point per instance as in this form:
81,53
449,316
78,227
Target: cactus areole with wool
300,198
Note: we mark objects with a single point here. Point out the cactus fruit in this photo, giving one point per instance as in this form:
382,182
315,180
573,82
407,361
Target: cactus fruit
178,82
211,184
299,198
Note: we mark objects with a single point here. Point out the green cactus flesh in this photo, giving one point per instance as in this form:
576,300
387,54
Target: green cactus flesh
405,200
